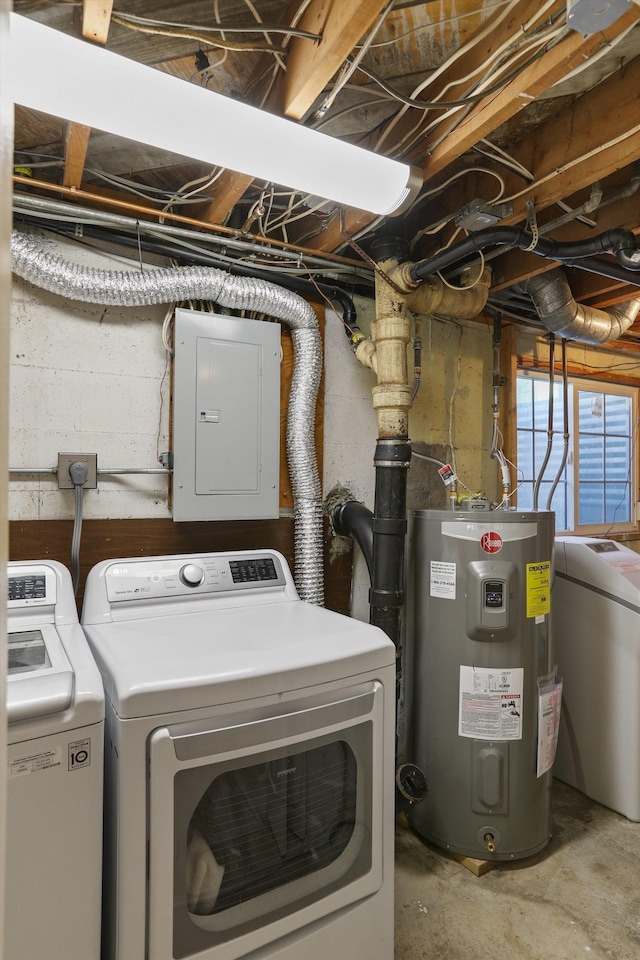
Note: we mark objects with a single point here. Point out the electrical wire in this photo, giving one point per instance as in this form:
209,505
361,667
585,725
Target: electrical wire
451,403
203,183
370,102
478,38
213,36
457,114
78,471
501,156
468,286
166,326
504,56
469,100
351,65
436,23
583,158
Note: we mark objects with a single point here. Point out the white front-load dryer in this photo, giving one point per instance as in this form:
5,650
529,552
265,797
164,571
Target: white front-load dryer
55,709
250,764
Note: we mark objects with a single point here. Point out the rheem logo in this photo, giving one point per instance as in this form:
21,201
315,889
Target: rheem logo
491,542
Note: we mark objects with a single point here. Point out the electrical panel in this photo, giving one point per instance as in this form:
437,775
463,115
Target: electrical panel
226,417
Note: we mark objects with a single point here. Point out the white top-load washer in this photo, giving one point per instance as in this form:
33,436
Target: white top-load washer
595,613
55,710
249,764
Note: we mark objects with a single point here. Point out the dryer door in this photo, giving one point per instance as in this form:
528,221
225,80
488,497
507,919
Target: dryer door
263,822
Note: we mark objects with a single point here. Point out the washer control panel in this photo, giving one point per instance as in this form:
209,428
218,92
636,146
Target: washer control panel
30,585
180,576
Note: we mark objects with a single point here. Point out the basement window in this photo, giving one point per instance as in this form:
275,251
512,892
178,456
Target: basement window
595,492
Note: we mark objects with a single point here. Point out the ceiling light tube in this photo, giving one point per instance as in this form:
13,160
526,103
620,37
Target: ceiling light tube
75,80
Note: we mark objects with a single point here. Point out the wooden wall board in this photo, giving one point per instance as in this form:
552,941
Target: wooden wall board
110,539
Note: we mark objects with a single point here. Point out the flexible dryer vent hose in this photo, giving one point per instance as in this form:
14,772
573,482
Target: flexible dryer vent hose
33,262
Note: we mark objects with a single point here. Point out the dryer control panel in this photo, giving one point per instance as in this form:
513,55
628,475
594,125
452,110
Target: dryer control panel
180,576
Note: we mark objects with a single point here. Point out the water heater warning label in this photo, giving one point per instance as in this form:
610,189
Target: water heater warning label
442,580
538,588
490,706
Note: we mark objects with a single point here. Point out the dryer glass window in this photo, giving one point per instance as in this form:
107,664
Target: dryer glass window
270,824
260,836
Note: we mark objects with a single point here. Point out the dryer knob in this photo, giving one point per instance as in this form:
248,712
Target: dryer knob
192,575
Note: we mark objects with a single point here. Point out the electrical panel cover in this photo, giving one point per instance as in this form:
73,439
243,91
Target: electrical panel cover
226,417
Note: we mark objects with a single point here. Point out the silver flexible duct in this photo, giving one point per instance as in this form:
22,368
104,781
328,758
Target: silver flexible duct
560,313
32,262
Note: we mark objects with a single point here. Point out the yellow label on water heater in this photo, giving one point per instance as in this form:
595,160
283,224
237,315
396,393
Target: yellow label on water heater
538,588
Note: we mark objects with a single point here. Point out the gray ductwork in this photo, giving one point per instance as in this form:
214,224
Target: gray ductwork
559,312
34,263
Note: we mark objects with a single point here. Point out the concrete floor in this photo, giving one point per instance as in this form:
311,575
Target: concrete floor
579,897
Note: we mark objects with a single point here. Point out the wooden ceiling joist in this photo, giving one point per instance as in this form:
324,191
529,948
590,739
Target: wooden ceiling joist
310,66
96,17
493,111
562,59
505,30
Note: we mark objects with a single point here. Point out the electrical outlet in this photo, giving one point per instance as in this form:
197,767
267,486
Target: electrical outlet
64,462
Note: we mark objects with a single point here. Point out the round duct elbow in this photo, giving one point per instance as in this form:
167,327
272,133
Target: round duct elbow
561,314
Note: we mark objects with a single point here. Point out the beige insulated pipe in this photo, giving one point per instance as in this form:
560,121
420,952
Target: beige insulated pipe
386,351
390,335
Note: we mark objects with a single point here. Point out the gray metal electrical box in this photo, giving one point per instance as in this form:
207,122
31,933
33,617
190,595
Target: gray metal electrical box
226,417
591,16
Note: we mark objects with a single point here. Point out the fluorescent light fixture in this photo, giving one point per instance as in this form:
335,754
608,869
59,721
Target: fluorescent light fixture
70,78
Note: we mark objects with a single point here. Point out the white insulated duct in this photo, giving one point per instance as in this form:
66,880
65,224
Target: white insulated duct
559,312
34,263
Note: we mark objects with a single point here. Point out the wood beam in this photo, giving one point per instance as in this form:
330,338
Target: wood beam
76,142
505,29
571,171
582,370
310,65
96,17
568,54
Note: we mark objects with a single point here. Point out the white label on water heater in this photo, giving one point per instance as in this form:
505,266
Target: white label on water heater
442,580
490,706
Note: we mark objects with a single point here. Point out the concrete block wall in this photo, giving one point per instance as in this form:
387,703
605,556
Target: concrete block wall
86,379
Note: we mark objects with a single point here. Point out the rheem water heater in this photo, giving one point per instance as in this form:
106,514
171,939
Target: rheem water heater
480,721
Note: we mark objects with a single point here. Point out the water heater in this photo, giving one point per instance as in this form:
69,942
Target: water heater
482,701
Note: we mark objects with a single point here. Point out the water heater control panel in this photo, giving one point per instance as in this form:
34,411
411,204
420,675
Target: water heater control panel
491,600
494,603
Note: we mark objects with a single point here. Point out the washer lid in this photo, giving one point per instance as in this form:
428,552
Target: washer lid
39,675
608,567
179,662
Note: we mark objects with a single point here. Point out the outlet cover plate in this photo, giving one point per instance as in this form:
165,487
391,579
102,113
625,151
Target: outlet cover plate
64,462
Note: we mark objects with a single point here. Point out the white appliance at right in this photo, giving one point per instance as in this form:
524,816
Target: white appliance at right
596,632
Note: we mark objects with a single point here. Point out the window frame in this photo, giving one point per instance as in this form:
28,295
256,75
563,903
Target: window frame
587,385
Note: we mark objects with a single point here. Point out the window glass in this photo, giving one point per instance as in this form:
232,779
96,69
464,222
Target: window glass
595,488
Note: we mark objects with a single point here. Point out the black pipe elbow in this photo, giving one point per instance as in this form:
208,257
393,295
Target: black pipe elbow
349,316
352,517
620,242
